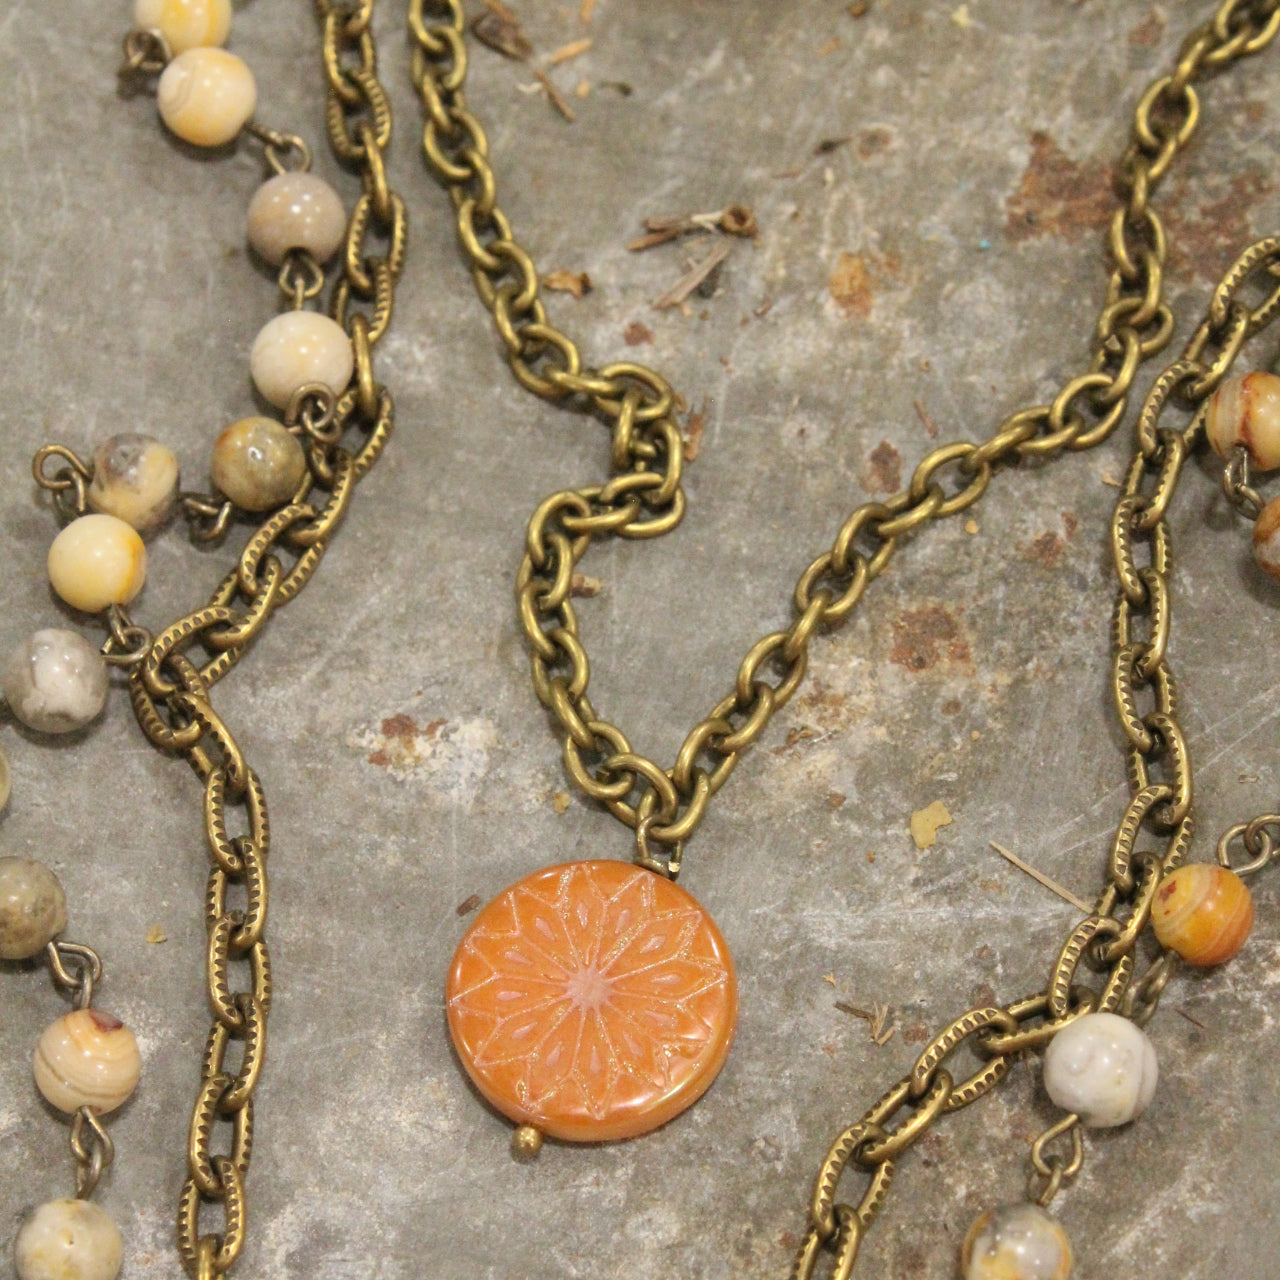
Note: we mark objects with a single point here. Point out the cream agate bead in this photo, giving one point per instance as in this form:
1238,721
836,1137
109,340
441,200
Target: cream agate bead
297,348
135,478
1246,411
1266,539
68,1240
296,211
1015,1242
186,24
97,561
55,681
206,96
258,464
1103,1067
33,908
87,1059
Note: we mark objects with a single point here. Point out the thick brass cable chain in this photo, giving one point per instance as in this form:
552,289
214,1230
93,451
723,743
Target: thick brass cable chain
644,498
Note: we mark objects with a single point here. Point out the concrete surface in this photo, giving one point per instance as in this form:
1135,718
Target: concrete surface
975,675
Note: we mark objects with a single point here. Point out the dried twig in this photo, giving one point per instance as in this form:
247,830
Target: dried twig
876,1017
1041,878
923,414
585,11
692,278
555,97
733,220
571,50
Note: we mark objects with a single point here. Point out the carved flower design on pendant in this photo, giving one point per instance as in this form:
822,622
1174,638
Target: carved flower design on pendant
594,1000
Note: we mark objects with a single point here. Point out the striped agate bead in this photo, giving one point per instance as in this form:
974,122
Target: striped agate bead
1203,912
1245,411
87,1059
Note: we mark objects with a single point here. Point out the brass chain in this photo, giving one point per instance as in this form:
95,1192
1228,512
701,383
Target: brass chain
644,497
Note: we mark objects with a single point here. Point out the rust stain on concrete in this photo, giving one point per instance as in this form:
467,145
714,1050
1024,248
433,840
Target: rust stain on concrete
873,141
882,472
926,635
1048,548
857,278
1058,196
1204,240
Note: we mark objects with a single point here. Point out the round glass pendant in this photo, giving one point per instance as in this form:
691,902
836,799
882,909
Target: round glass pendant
592,1000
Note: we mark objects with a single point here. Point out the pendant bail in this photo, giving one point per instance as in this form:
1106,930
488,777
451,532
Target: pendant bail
668,865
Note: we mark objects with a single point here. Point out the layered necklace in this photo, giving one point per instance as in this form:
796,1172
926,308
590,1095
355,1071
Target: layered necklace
596,1000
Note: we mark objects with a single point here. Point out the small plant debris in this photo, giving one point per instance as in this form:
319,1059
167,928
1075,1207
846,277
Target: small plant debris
733,220
499,28
577,283
555,97
692,278
565,52
694,426
876,1018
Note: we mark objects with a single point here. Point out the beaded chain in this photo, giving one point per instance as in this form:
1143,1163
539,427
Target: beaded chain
293,473
86,1064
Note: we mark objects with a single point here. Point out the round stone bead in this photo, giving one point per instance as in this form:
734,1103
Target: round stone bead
55,681
33,908
296,348
1204,913
206,96
1102,1067
68,1240
87,1059
1015,1242
97,561
1246,411
1266,539
6,781
186,24
135,478
296,211
258,464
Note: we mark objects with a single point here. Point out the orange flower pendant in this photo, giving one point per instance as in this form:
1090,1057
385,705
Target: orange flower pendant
593,1000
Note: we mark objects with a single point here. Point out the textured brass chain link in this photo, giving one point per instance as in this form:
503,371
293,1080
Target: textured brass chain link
173,672
643,498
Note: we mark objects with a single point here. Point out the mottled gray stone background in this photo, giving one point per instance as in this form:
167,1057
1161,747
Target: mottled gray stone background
948,251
